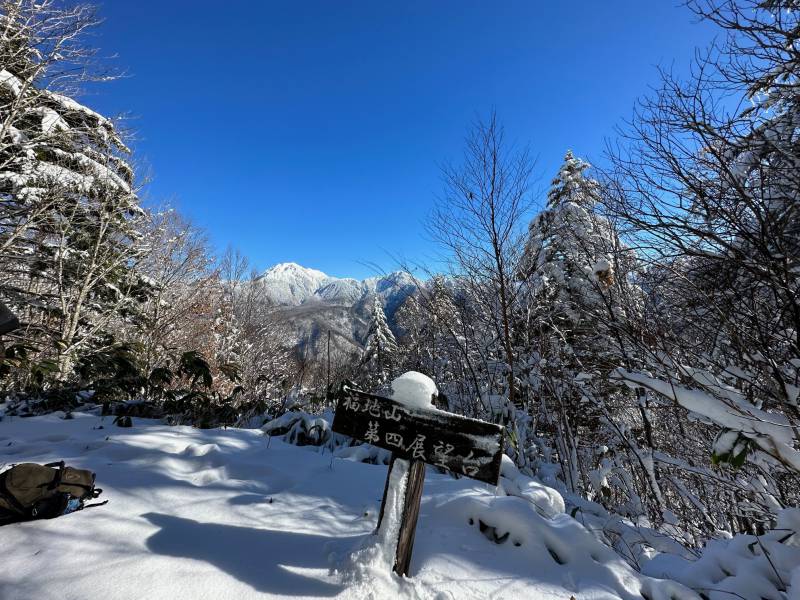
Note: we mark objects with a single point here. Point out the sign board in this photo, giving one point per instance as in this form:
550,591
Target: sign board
459,444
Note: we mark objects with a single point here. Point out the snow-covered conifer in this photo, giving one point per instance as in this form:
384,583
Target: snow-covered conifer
69,213
581,307
380,352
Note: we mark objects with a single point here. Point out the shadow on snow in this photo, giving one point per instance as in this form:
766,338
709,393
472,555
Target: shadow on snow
251,555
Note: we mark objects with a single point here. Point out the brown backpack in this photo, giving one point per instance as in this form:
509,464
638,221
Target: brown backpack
32,491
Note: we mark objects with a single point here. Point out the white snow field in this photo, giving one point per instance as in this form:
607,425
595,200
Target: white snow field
229,514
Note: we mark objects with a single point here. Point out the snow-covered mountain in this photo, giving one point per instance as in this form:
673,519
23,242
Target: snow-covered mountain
312,303
290,284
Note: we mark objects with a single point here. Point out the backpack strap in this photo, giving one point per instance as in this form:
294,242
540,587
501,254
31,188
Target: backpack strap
95,504
50,507
59,474
15,504
59,479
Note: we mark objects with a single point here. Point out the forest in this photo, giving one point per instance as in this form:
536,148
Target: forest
634,327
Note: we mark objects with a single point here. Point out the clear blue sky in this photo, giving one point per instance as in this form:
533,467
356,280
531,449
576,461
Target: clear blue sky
311,131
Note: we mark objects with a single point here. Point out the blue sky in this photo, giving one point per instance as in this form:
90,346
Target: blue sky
312,131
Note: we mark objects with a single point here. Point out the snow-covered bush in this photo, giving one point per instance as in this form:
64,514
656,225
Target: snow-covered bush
710,195
745,566
300,428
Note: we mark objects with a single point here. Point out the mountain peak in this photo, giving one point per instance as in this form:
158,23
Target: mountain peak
292,269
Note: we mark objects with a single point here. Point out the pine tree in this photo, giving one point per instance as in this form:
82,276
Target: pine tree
572,254
380,352
581,308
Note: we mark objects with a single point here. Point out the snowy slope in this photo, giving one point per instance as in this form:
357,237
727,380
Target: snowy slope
307,325
218,514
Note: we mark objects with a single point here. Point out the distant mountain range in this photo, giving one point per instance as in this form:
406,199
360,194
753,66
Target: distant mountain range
311,303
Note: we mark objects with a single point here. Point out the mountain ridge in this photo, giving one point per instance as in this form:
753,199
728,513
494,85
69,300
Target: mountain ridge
291,284
310,303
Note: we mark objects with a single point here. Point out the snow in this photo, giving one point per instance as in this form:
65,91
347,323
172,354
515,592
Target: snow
344,291
292,284
771,431
564,556
744,566
601,266
374,559
545,500
10,82
51,120
100,171
68,103
414,390
214,514
393,512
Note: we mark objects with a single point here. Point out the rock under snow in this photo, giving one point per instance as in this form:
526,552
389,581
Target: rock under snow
547,501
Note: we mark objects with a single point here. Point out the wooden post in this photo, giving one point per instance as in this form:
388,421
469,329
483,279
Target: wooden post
408,525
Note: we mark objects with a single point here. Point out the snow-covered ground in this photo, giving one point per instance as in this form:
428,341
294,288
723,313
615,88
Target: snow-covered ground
216,514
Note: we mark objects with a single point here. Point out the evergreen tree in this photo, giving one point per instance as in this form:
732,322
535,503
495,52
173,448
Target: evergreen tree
575,269
69,213
581,308
380,353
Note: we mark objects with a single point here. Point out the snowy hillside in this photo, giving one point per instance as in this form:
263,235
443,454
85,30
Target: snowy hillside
211,514
307,326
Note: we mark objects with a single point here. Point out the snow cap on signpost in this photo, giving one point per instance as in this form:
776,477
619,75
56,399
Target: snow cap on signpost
414,389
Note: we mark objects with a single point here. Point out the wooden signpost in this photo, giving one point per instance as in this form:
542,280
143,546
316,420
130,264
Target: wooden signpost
466,446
